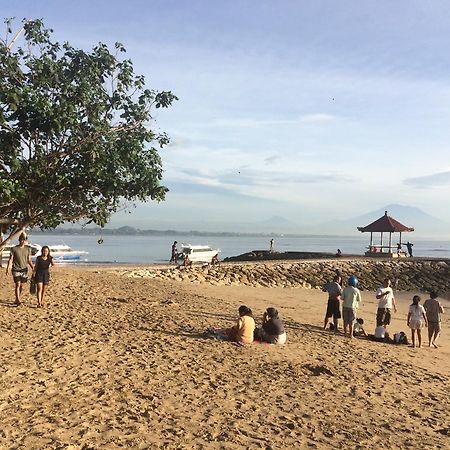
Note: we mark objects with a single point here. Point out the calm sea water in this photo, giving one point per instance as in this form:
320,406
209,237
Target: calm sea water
156,249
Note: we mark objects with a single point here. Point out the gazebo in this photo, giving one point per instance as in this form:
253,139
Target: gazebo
385,224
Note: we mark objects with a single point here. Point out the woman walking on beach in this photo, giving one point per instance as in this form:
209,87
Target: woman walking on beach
42,273
416,320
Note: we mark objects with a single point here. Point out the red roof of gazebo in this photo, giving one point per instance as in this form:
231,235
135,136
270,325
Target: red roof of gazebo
385,224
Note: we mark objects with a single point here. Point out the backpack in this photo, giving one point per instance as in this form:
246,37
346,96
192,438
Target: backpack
400,338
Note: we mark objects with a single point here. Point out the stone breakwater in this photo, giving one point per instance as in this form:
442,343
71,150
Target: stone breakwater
409,275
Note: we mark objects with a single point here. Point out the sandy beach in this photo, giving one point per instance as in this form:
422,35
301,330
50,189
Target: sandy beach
115,362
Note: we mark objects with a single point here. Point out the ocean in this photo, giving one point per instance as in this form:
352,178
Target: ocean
157,249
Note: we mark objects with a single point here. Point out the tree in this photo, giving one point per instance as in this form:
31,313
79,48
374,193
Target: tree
77,137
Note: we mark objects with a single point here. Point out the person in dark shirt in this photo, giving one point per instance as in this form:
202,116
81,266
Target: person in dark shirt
174,256
334,290
272,329
42,273
409,246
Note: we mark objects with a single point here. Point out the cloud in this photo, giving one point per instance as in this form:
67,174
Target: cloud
241,179
428,181
310,119
271,159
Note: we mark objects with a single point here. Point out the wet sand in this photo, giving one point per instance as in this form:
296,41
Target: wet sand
116,362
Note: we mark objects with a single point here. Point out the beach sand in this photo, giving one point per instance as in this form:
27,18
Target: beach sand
115,362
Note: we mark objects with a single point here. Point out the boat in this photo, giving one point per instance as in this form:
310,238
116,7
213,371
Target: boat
35,250
59,252
63,252
199,253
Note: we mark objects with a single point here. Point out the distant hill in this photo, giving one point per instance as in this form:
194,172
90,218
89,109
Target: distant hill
424,224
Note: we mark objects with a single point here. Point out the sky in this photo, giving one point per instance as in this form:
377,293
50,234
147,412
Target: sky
305,110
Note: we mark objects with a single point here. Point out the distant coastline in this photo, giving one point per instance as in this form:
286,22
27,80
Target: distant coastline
131,231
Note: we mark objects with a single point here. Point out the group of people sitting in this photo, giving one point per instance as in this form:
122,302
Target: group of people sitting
245,331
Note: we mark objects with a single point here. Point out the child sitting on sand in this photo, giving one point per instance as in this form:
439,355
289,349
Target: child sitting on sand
243,331
272,330
358,329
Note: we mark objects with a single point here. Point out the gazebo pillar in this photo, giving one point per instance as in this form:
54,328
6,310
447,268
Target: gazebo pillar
371,240
381,243
390,242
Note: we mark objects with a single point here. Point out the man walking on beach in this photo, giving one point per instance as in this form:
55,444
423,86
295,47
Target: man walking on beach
334,290
19,259
386,302
434,310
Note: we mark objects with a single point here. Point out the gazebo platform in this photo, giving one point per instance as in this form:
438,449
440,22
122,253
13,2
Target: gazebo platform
386,224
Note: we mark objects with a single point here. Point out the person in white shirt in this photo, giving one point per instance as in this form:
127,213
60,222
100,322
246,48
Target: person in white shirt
380,332
417,318
386,301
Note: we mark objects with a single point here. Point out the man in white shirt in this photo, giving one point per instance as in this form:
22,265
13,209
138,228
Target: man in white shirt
386,301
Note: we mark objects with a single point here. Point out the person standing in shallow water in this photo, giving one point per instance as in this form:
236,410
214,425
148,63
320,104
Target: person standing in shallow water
19,260
42,273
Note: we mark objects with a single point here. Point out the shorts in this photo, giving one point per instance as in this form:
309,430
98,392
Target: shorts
349,315
416,324
42,277
20,275
383,316
333,309
434,328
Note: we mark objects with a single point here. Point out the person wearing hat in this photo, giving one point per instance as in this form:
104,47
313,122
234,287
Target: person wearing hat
19,260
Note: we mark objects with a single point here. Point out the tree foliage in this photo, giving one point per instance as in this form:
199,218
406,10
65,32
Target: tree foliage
76,131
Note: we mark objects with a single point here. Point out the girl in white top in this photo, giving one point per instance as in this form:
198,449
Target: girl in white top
417,318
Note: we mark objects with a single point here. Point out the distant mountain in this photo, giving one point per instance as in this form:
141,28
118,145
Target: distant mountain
277,224
423,223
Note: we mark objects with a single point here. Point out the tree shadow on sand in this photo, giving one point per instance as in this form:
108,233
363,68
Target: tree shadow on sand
212,315
291,324
183,332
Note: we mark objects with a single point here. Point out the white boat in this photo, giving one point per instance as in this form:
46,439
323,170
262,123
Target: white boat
63,252
35,250
199,253
59,252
